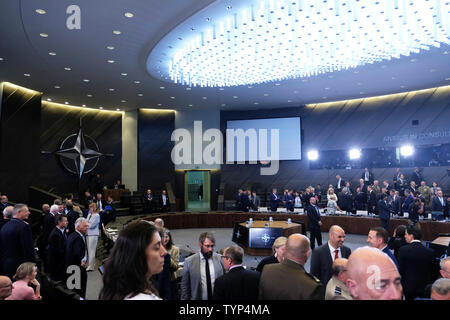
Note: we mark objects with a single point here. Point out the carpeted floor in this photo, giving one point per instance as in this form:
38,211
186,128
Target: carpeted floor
187,241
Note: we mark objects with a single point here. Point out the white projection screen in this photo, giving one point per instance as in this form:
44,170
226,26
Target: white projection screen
253,135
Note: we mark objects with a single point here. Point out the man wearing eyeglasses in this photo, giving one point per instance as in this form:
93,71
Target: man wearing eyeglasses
201,270
238,283
5,287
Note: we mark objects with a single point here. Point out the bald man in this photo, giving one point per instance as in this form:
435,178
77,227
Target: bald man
441,289
336,287
288,279
372,275
5,287
324,256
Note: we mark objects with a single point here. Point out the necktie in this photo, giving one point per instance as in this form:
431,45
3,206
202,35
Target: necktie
208,279
336,254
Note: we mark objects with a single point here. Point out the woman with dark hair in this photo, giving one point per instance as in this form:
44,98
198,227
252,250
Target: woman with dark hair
137,255
398,239
174,253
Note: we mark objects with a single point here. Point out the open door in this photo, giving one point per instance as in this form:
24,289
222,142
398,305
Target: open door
197,190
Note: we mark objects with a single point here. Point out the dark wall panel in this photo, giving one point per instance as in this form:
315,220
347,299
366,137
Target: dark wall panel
155,166
19,141
58,122
365,123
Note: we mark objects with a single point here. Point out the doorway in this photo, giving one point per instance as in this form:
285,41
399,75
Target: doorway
197,190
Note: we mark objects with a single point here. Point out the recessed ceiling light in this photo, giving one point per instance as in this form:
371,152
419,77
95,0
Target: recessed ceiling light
67,68
256,103
57,87
1,59
123,101
327,88
41,11
330,76
43,35
86,80
52,53
162,88
191,105
188,89
66,102
413,60
324,97
116,32
172,97
249,87
235,97
140,94
277,84
111,89
83,105
356,72
402,87
289,101
432,70
137,81
305,80
204,98
266,94
393,78
361,92
159,104
48,99
223,104
110,48
445,52
110,61
27,74
129,15
123,74
89,95
221,89
101,108
118,109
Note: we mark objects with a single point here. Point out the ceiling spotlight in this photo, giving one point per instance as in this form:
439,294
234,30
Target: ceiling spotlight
66,102
110,61
48,99
235,97
27,74
313,155
117,109
101,108
83,105
188,89
110,48
52,53
191,105
89,95
277,84
129,15
57,87
1,59
172,97
204,98
137,82
354,154
407,150
116,32
41,11
159,104
140,94
43,35
67,69
111,89
86,80
123,74
123,101
162,88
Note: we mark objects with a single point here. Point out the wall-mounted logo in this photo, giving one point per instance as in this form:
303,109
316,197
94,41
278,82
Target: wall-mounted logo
79,153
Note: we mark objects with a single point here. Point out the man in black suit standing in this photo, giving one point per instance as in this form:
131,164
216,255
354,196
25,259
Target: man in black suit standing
238,283
324,256
314,223
439,203
76,254
371,201
339,184
245,201
395,202
72,216
416,176
384,211
148,201
417,264
274,200
56,252
367,177
345,200
164,202
16,241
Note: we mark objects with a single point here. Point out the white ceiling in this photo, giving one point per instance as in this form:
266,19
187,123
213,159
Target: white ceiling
85,52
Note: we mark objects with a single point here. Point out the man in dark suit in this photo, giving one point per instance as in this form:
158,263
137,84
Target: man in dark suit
245,201
238,283
109,214
314,223
371,200
439,203
384,211
274,200
417,264
72,216
238,204
367,177
324,256
288,280
56,252
164,202
16,241
47,227
148,201
397,174
288,201
339,184
76,254
101,204
359,200
378,238
7,215
4,202
395,202
416,176
345,201
256,201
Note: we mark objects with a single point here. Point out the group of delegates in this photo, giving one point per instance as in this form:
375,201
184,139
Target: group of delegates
68,238
395,268
156,204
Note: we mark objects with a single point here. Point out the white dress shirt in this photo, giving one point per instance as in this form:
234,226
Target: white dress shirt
203,276
332,251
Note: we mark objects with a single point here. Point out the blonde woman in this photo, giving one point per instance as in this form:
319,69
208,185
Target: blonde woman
332,205
92,233
25,275
331,193
278,249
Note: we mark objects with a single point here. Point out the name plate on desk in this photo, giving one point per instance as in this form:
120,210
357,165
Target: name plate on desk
362,212
299,210
262,210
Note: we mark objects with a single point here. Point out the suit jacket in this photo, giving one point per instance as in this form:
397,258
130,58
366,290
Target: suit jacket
274,199
437,205
48,225
342,184
289,201
16,245
391,255
417,266
191,288
407,203
371,178
321,261
345,202
72,217
56,254
395,244
383,210
237,284
256,201
288,280
161,202
75,249
266,260
313,217
396,205
239,202
372,200
94,225
416,177
245,202
359,201
103,202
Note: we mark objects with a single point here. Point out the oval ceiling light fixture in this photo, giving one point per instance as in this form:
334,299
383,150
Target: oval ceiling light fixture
43,35
117,32
41,11
110,47
260,41
129,15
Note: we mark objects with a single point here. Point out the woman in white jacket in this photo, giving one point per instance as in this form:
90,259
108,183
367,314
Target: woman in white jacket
92,233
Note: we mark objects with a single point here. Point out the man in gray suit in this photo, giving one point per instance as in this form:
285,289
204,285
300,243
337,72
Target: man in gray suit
201,270
255,202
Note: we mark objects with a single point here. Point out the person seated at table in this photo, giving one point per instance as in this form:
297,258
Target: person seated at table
24,277
118,185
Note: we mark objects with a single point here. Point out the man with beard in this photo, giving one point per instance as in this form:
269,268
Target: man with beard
201,270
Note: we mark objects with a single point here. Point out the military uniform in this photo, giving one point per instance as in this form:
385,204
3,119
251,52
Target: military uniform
426,193
288,280
337,290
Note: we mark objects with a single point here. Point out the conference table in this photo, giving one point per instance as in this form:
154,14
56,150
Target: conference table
351,224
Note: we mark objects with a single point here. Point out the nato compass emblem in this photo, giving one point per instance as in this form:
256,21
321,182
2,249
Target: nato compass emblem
265,238
79,153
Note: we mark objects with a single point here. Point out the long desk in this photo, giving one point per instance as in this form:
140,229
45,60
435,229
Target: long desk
351,225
